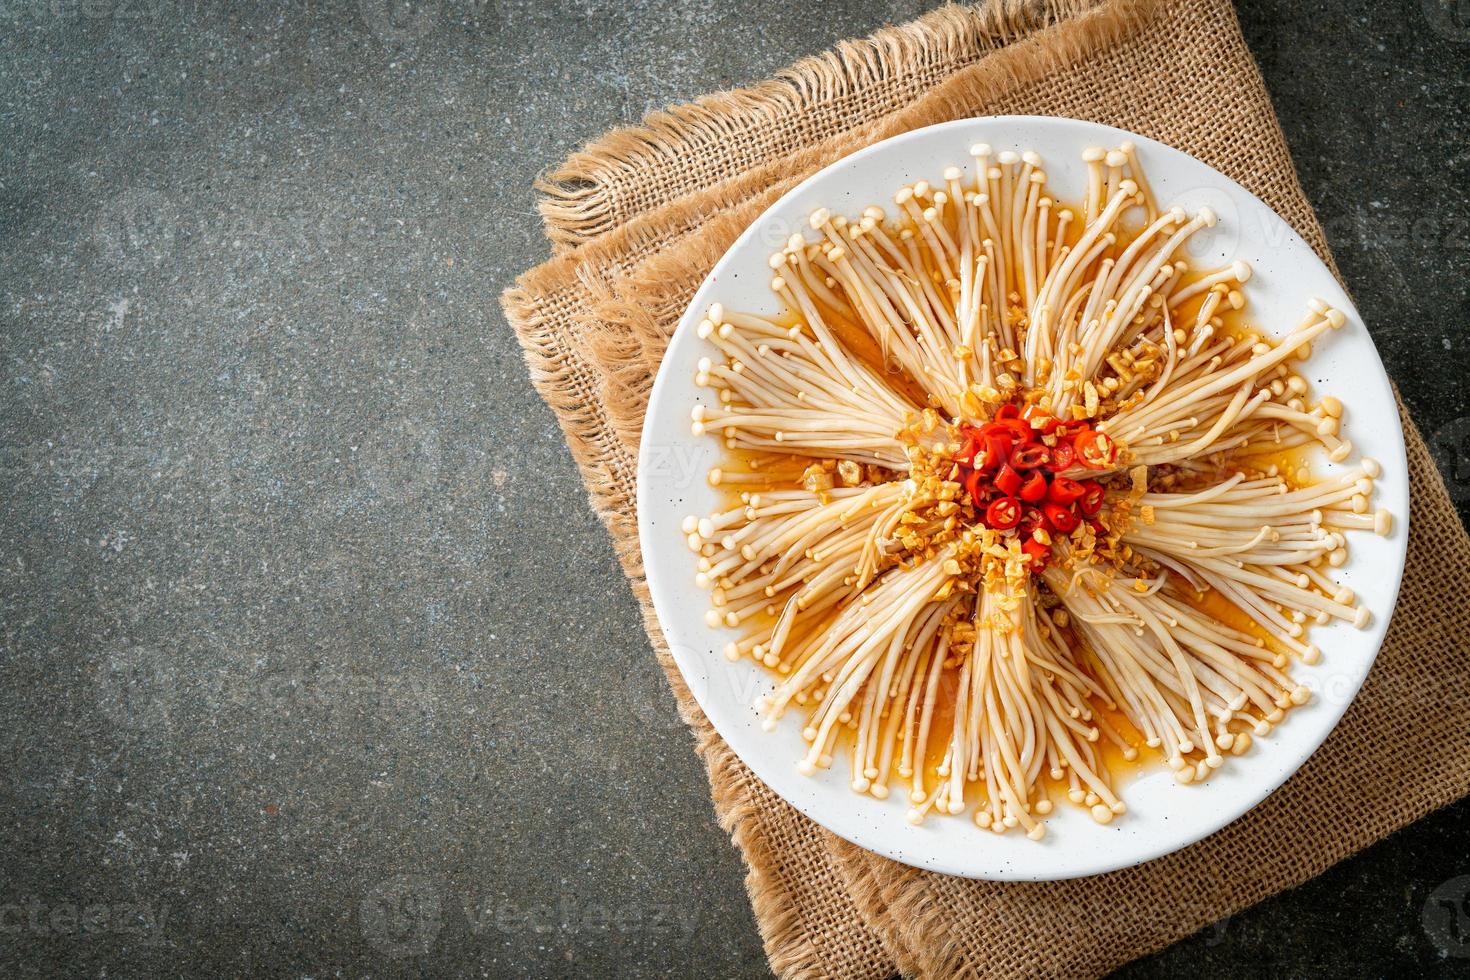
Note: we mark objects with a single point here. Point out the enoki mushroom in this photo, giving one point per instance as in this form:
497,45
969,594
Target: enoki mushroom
1013,495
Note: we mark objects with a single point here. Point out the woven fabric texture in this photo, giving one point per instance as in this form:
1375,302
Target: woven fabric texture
637,219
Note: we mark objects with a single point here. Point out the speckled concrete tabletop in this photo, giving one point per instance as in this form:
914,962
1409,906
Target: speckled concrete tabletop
313,659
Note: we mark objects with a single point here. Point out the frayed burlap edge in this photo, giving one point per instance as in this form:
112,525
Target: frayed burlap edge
607,182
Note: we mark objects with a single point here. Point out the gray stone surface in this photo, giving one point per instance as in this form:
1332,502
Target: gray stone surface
313,660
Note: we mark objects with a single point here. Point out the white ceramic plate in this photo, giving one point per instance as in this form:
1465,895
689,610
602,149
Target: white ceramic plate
1163,816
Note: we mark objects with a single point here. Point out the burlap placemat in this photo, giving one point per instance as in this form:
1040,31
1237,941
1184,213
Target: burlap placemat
638,217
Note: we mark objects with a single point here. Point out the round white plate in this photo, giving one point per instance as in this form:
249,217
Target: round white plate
1163,816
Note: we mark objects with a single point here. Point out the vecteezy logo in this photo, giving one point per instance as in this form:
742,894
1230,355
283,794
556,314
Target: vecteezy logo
649,698
1446,917
400,21
1219,241
402,457
140,224
402,916
1450,446
136,687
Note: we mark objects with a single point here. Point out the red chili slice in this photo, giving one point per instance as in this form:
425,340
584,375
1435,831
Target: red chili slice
1003,514
1096,450
1008,481
969,447
1034,488
1059,518
1031,519
1037,552
1062,457
1030,456
997,449
975,487
1098,527
1007,411
1020,430
993,428
1091,500
1064,491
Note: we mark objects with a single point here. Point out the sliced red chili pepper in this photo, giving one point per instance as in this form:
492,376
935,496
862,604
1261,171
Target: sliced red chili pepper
1031,519
1098,527
1030,456
975,487
1051,425
1034,488
997,449
1008,481
1003,514
1091,500
1059,518
1064,491
1037,552
1096,450
969,446
1062,456
1020,430
1007,411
